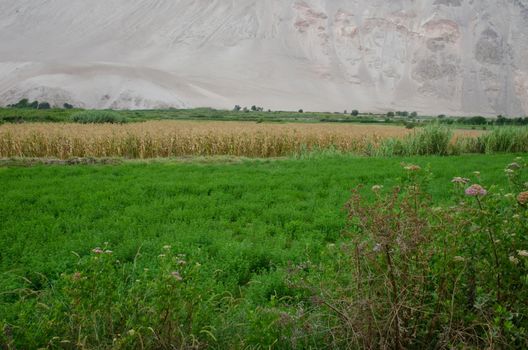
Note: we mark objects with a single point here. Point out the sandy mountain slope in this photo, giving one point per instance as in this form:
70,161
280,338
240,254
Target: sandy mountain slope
433,56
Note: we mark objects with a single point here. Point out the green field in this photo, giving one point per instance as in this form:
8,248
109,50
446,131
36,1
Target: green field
245,222
17,115
29,115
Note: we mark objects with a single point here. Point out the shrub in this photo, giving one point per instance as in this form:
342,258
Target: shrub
44,105
301,111
409,125
418,276
23,103
67,106
96,117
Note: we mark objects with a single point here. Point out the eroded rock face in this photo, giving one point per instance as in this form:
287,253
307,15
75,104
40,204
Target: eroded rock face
433,56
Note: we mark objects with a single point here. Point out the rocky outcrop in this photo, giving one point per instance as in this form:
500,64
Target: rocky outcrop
434,56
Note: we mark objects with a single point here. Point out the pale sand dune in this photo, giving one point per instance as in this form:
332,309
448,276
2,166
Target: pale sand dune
433,56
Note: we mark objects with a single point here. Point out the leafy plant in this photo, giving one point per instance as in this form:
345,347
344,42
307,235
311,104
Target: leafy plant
415,275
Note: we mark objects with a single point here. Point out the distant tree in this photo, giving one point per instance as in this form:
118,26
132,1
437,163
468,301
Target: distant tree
404,114
345,112
409,125
390,114
414,115
478,120
269,110
301,111
355,112
441,116
23,103
44,105
501,120
246,110
34,105
253,108
67,106
237,108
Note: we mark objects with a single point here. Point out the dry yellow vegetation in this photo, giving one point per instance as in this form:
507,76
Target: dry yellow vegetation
189,138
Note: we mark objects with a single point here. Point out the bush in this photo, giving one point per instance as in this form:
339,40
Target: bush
409,125
23,103
418,276
98,117
44,105
67,106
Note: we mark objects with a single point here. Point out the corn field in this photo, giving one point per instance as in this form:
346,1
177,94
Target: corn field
156,139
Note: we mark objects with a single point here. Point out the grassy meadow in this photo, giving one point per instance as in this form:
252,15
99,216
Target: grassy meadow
229,253
195,229
18,115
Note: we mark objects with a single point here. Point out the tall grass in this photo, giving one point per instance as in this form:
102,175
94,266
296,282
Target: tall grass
431,140
502,139
164,139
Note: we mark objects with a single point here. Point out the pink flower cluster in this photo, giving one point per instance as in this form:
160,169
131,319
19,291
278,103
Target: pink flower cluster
476,191
522,198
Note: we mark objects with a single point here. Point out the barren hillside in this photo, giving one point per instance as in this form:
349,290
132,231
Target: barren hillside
433,56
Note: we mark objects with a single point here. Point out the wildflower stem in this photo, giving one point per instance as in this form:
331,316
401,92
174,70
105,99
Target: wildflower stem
495,254
394,286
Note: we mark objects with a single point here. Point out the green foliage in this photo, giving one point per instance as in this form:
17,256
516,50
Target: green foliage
23,103
248,230
30,113
430,140
44,105
433,276
97,117
502,139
